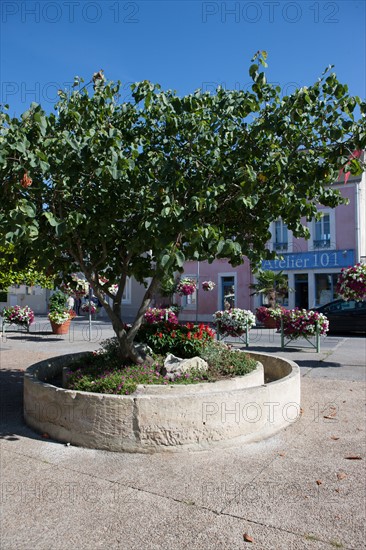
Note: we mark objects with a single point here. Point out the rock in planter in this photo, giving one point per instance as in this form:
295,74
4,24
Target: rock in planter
175,365
144,350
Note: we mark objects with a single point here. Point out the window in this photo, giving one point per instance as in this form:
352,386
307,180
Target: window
227,292
325,284
280,242
126,298
322,232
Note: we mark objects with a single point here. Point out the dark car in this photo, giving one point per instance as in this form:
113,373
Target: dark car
345,316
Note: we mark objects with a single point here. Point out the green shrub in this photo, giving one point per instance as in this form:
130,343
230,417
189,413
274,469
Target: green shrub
58,302
224,361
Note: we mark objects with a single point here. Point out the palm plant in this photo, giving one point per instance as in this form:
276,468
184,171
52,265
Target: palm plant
270,284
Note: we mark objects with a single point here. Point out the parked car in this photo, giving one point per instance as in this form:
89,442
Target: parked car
345,316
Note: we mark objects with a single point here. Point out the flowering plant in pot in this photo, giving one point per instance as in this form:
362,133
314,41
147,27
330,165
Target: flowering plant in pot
186,287
299,323
208,285
59,317
351,284
59,314
233,322
269,315
16,315
272,285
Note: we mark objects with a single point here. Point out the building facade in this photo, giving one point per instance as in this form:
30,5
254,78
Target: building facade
337,240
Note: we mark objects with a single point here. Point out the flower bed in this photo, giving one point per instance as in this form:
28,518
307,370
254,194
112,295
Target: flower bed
182,340
102,372
351,284
233,322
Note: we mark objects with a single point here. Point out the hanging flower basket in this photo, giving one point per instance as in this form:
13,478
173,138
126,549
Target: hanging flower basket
207,286
159,315
233,322
89,306
113,289
351,284
186,287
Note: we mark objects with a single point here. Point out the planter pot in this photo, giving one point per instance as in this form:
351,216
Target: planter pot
60,329
270,323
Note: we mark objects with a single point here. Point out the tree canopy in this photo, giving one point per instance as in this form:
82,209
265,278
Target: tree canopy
16,270
120,189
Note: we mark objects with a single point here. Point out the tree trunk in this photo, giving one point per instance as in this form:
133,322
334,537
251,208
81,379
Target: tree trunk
127,349
272,299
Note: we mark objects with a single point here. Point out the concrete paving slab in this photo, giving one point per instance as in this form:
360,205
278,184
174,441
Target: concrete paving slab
202,500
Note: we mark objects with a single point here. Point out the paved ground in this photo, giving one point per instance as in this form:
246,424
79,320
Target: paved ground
298,490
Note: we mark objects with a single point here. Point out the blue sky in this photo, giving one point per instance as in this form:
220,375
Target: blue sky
183,45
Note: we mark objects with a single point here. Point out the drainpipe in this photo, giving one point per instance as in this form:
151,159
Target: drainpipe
358,228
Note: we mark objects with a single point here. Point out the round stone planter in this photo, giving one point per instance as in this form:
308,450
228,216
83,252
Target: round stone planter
165,418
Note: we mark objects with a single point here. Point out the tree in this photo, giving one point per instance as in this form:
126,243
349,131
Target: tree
134,189
271,284
15,269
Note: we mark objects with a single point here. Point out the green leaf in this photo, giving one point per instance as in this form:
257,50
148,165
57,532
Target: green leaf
179,258
253,70
51,219
165,260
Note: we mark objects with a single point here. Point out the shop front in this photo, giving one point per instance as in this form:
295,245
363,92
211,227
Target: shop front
312,275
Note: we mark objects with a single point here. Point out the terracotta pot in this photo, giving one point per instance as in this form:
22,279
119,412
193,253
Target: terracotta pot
61,329
269,322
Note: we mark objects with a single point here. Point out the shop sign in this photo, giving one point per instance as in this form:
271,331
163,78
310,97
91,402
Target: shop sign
312,260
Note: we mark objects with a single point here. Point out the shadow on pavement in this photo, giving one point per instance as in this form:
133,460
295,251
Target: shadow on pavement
317,364
37,337
11,403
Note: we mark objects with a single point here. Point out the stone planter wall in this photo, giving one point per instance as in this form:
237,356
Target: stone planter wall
158,418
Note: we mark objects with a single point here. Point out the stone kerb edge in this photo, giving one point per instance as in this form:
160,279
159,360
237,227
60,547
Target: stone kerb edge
161,420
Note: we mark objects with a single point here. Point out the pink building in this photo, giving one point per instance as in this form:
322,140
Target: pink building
337,240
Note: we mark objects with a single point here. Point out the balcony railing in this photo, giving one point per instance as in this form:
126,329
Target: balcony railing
322,243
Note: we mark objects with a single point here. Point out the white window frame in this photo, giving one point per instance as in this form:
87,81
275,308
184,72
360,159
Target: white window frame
332,228
220,295
290,238
127,292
